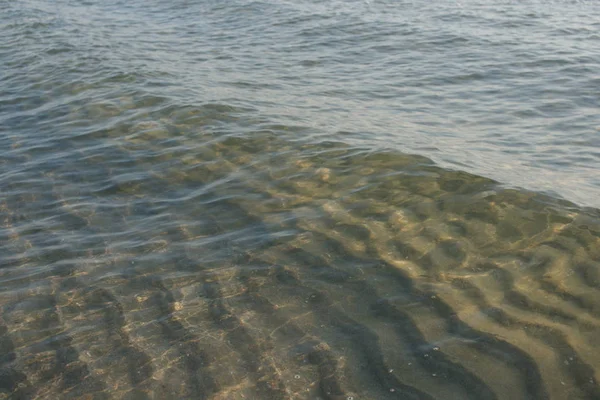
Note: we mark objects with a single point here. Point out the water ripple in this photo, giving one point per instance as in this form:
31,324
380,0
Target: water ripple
299,199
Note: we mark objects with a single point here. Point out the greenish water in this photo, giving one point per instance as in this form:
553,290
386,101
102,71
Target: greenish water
205,201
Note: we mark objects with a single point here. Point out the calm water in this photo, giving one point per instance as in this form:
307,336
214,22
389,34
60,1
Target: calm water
300,199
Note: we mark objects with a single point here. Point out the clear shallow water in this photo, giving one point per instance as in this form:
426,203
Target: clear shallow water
289,200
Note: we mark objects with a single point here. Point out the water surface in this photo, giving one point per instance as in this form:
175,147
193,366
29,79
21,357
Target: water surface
299,200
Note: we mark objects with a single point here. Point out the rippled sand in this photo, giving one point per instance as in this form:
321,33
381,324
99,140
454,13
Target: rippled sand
166,259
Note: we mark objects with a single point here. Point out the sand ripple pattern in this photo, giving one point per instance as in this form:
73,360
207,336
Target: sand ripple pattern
165,258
